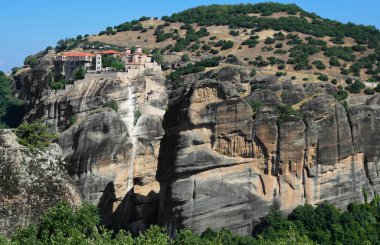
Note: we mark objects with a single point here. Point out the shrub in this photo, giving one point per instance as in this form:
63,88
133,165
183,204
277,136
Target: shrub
334,81
293,77
334,61
284,111
341,95
79,73
255,105
227,45
232,59
251,42
356,87
253,73
319,65
369,91
269,40
72,120
34,135
377,89
323,77
234,33
185,58
349,80
112,104
137,115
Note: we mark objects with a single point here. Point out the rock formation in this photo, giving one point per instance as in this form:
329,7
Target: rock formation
223,166
31,181
110,127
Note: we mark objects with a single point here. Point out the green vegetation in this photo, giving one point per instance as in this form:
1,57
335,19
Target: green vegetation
255,105
65,226
251,42
7,100
325,224
34,135
137,115
112,104
319,65
79,73
185,58
341,95
113,62
369,91
355,87
285,111
322,77
234,33
72,120
322,224
237,16
334,62
194,68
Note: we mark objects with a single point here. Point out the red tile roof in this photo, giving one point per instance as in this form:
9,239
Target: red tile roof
78,54
109,52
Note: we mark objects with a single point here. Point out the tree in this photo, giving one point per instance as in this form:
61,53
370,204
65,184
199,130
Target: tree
34,135
7,100
79,73
185,58
334,61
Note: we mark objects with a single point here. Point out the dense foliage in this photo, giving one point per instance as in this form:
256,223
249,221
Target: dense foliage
194,68
63,225
323,224
7,100
237,16
34,135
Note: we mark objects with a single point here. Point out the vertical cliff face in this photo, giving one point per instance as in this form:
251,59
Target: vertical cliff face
110,126
223,166
31,181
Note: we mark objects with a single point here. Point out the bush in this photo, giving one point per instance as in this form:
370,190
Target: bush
112,104
334,61
356,87
137,115
234,33
323,77
232,59
377,89
341,95
185,58
253,73
369,91
269,40
226,45
79,73
319,65
334,81
284,111
34,135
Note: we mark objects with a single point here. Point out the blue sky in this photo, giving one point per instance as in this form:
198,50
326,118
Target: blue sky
29,26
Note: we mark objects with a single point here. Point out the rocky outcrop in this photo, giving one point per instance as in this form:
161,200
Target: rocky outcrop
31,181
110,127
223,166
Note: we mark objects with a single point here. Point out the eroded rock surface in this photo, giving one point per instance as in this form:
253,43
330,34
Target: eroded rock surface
223,166
31,182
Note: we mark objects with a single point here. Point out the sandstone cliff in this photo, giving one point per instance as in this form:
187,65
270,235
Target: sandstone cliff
110,127
31,181
223,166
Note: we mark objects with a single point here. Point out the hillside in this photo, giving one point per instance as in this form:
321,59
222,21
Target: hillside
271,38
